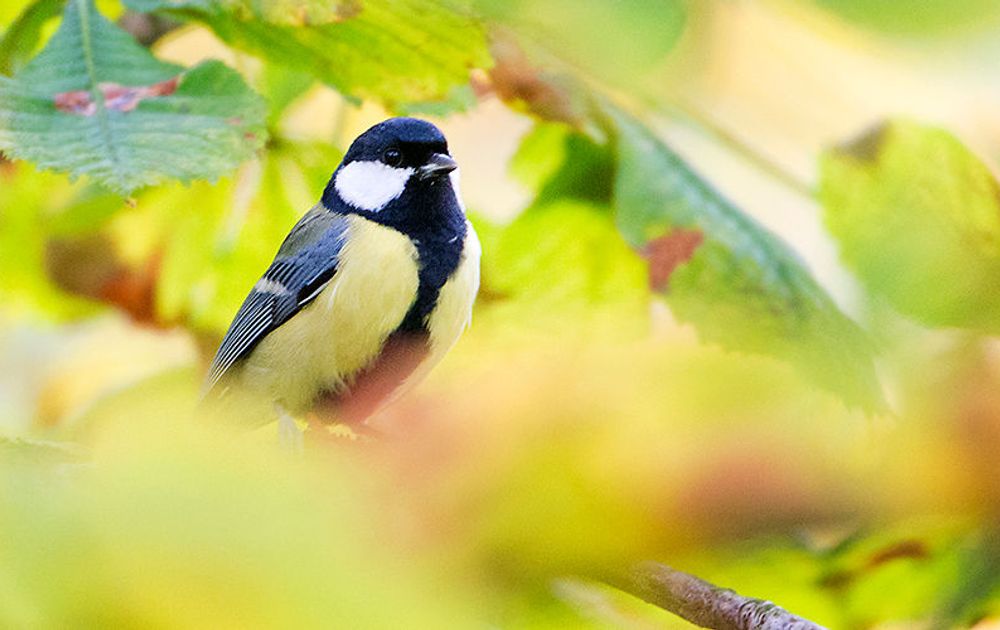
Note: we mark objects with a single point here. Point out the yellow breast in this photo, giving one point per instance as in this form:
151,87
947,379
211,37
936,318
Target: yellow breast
453,311
344,328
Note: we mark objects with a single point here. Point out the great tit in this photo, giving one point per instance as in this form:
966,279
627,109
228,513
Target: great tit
369,289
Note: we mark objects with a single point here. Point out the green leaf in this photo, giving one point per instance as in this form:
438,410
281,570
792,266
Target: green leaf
721,271
927,17
95,103
541,152
461,98
560,163
18,42
917,217
382,51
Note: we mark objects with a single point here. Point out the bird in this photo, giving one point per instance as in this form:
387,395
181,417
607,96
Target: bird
369,290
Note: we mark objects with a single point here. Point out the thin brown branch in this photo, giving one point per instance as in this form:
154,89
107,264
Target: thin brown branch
705,604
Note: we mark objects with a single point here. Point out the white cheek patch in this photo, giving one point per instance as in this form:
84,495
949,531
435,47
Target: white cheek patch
370,186
458,190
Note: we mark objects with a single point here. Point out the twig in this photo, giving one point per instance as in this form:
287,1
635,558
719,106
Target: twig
705,604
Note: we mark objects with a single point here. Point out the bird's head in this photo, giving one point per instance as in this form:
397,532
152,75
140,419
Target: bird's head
398,172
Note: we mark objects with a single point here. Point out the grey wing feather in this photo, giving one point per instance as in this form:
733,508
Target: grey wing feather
305,264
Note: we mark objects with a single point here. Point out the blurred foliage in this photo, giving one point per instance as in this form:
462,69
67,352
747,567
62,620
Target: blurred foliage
917,18
233,545
918,219
376,50
586,34
652,372
210,257
294,12
734,280
29,206
18,42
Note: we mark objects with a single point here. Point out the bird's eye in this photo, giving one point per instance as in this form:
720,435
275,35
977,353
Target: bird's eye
392,157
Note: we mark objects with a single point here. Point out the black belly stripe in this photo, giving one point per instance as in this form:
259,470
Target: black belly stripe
440,255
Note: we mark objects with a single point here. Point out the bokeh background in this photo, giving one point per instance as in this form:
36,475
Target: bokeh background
741,278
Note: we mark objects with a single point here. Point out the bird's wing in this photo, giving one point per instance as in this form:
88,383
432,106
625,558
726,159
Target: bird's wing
304,265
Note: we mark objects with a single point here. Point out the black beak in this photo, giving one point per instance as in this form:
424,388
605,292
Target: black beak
437,165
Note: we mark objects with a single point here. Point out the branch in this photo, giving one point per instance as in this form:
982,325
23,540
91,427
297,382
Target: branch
705,604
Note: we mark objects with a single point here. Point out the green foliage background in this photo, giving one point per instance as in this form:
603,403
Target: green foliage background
653,372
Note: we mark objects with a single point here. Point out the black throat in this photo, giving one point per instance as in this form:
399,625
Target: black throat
440,253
